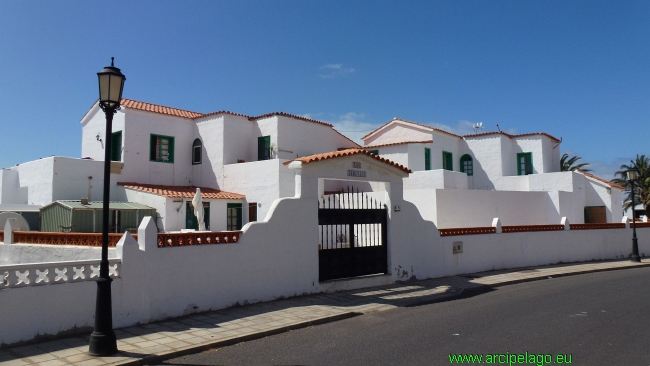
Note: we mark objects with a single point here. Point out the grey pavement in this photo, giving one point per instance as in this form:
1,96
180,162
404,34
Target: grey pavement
155,342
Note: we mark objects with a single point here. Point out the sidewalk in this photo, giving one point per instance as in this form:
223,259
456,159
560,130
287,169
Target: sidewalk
155,342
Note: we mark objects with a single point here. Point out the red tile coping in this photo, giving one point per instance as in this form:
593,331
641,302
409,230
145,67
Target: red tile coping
522,228
348,152
467,231
398,143
197,238
597,226
611,184
182,191
52,238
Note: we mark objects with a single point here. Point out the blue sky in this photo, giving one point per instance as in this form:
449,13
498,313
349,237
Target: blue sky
578,70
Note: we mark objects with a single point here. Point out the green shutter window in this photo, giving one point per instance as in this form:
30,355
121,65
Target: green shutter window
116,146
197,149
263,148
161,148
524,163
376,152
427,158
190,219
447,161
467,165
234,216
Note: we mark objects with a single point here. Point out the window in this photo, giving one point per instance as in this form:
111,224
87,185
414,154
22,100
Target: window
427,158
197,148
252,211
376,152
234,216
190,218
467,165
447,161
524,163
116,146
162,148
264,148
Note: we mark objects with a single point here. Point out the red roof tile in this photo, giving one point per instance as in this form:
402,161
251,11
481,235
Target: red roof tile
148,107
611,184
182,191
347,152
514,136
398,143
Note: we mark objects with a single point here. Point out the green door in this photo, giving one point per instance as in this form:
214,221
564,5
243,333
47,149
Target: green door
524,163
116,146
427,158
234,216
447,161
190,219
264,148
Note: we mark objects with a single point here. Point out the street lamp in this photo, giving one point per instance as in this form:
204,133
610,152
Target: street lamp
102,340
631,177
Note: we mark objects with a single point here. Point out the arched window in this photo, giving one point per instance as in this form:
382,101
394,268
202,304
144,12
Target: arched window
197,147
467,165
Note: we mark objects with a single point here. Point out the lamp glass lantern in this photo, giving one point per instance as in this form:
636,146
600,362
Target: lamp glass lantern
632,174
111,83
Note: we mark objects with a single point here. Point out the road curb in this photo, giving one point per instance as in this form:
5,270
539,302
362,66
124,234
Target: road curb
229,342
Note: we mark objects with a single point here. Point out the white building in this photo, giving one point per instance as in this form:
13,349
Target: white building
463,181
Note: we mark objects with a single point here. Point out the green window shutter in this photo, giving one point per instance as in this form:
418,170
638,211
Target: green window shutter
152,148
447,161
161,148
524,163
116,146
264,148
234,219
171,149
376,152
427,158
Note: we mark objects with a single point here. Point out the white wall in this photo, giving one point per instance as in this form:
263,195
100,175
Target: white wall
398,131
436,179
297,138
38,253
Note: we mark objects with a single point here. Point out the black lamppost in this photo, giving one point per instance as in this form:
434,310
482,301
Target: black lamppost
102,340
631,177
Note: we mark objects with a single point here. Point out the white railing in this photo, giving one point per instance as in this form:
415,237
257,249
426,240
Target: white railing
50,273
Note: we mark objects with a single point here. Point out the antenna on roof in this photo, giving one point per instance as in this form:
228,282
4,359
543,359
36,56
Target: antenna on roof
477,127
498,127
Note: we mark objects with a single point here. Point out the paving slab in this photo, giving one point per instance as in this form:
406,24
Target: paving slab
155,342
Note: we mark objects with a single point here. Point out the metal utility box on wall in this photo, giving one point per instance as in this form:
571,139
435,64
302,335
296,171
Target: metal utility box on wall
78,217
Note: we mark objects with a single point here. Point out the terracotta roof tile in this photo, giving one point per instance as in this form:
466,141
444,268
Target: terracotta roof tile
148,107
398,143
514,136
347,152
609,183
415,123
182,191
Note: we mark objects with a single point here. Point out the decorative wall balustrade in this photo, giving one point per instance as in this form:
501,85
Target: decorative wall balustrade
523,228
468,231
50,273
197,238
597,226
84,239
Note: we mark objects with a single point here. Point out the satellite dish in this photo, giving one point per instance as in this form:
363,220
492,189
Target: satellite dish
477,127
22,223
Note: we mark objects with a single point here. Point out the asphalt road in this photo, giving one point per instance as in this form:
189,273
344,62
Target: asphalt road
598,319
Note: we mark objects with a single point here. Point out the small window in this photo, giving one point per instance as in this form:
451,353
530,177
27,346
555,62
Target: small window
524,163
234,216
116,146
427,158
264,148
447,161
252,211
467,165
162,149
376,152
197,148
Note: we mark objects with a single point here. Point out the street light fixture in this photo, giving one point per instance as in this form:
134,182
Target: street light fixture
632,175
102,340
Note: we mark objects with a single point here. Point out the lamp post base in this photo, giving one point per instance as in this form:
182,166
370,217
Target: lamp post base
103,341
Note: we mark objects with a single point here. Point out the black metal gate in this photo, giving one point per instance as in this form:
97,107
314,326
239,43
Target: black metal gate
353,240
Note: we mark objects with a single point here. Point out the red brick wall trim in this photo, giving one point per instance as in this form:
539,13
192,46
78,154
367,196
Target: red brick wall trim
83,239
596,226
467,231
201,238
521,228
641,224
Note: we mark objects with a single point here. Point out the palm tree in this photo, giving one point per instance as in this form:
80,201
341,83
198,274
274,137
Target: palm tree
641,185
566,164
